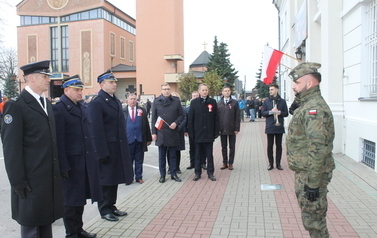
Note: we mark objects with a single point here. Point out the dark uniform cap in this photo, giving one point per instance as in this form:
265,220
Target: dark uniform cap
108,75
73,82
41,67
304,69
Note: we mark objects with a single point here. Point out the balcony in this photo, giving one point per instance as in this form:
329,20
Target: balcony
172,78
173,57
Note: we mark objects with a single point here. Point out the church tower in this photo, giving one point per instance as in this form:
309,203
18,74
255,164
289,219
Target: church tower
159,45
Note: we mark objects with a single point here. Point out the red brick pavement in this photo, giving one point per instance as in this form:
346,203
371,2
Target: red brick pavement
289,210
193,210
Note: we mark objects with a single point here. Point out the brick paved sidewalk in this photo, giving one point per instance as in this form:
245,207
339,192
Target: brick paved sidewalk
236,206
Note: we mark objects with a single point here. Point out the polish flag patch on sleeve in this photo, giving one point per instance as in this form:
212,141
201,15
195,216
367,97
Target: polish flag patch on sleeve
312,112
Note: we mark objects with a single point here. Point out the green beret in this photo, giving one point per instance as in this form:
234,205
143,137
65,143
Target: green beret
304,69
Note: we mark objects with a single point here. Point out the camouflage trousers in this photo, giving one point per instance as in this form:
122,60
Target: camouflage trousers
313,214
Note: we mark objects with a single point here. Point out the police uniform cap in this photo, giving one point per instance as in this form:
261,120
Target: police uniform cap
41,67
73,82
304,69
108,75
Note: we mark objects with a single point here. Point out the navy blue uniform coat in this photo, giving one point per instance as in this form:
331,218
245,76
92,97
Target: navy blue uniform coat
31,159
76,153
110,139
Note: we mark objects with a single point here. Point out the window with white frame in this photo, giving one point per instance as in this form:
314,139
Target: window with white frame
371,50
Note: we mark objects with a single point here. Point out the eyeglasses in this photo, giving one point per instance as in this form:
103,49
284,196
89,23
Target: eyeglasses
165,88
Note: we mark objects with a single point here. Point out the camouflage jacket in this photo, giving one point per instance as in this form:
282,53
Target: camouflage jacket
310,137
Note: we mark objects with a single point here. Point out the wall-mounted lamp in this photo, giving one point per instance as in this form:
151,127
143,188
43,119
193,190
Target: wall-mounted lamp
299,53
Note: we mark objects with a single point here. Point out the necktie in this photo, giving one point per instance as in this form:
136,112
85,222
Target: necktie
132,114
226,101
42,101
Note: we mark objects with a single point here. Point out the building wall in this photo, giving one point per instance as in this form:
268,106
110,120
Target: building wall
360,118
336,35
155,39
89,41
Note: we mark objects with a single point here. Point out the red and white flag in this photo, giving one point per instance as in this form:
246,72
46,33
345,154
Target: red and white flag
271,60
159,123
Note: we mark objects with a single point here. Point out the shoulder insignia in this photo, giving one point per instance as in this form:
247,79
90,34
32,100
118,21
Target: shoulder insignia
8,119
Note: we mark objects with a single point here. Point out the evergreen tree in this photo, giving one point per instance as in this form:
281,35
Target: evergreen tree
219,61
8,64
187,84
10,87
214,83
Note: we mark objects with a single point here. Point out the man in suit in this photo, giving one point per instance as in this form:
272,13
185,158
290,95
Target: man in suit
77,157
203,127
111,144
138,134
169,109
31,155
229,126
274,110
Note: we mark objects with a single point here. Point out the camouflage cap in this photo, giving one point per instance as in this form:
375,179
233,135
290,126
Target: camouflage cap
304,69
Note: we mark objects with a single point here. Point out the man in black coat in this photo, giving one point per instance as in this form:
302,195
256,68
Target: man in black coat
77,157
111,144
229,126
274,110
31,155
167,115
138,134
203,127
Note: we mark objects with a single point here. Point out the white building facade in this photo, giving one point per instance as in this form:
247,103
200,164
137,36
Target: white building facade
342,36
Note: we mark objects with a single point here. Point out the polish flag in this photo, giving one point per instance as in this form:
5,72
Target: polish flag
271,60
159,123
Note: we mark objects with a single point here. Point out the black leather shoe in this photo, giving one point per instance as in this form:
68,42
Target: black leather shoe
84,234
119,213
270,167
162,179
196,177
212,177
176,178
204,166
190,167
179,171
110,217
279,167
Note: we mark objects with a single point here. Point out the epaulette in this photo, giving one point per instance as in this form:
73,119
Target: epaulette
16,98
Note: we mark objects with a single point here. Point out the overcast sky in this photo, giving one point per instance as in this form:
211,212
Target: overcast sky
244,25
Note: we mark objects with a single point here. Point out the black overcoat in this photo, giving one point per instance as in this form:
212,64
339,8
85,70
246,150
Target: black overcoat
110,139
76,153
31,159
170,110
203,120
268,105
146,134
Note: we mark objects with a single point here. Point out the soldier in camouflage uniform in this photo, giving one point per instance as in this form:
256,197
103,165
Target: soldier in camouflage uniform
309,148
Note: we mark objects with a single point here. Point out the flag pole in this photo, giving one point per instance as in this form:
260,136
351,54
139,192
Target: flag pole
286,66
300,61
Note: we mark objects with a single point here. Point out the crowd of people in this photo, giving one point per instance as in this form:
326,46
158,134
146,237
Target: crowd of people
74,149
